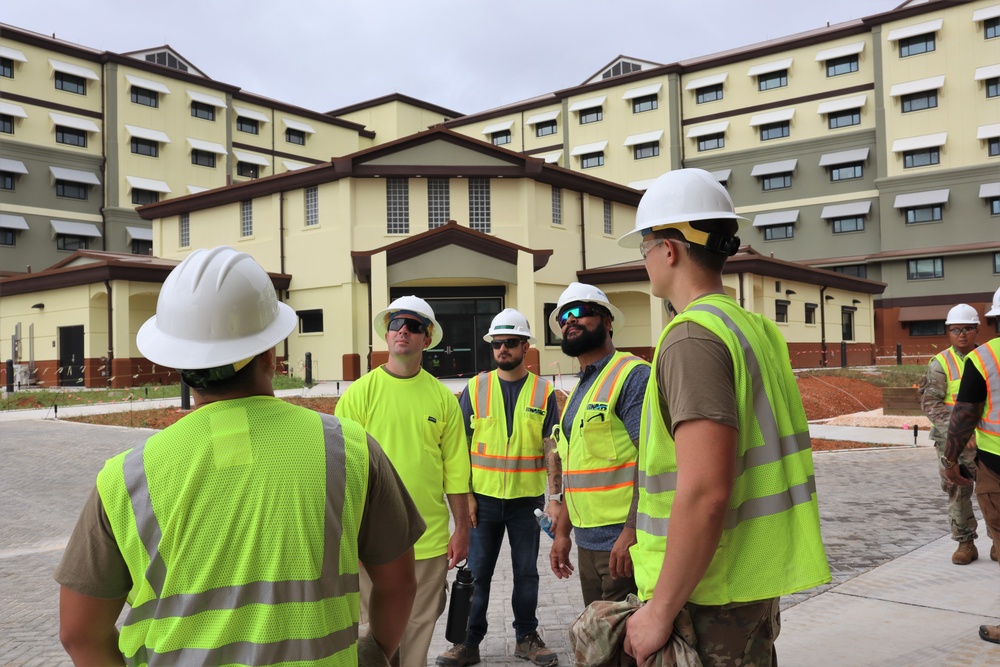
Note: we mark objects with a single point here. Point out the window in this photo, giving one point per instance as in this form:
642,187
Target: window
996,262
312,206
993,147
644,103
202,110
995,206
845,65
145,147
710,142
500,138
991,28
184,230
925,269
708,94
846,172
642,151
7,237
550,338
310,321
71,190
438,202
6,124
140,247
856,270
774,130
397,206
781,310
7,68
246,218
6,180
772,80
141,197
912,46
776,182
71,243
778,232
556,206
919,101
847,322
811,313
927,328
922,157
248,125
843,118
920,214
70,136
71,84
993,87
591,115
247,170
846,225
202,158
608,218
479,204
546,128
145,97
589,160
297,137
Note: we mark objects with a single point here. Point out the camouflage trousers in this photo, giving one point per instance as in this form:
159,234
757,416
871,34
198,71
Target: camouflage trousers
740,634
960,517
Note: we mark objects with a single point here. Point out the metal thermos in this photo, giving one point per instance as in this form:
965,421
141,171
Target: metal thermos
460,607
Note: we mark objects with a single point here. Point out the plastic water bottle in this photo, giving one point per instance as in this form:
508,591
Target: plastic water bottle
460,607
545,521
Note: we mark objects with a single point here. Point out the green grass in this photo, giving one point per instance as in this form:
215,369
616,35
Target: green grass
880,376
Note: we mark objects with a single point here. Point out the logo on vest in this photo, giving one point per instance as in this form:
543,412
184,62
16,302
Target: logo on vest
535,411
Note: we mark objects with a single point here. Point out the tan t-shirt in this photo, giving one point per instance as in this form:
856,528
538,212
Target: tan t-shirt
93,566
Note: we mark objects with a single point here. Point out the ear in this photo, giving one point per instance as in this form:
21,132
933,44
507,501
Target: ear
427,341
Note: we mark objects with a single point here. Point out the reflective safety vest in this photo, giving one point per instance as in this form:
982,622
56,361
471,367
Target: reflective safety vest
770,543
505,467
598,459
986,359
952,363
239,526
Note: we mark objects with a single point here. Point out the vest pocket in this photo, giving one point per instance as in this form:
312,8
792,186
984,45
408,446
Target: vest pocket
597,437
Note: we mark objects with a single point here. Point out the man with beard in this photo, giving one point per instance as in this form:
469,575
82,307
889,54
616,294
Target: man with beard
508,412
592,463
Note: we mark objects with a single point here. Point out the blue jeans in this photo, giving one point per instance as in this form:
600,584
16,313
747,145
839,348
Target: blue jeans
517,516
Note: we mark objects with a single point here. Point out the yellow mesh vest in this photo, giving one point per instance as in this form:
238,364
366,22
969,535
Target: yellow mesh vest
952,365
986,358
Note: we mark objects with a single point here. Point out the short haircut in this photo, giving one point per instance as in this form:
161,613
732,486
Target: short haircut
701,256
220,380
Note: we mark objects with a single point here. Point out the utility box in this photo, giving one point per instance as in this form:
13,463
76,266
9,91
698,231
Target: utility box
22,376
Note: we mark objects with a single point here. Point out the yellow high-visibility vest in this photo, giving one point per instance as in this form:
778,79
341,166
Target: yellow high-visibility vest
985,358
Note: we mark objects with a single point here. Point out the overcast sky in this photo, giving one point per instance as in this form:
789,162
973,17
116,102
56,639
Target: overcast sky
466,56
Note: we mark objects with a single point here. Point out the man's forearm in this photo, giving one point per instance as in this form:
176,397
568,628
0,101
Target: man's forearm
964,418
459,503
553,465
633,509
394,586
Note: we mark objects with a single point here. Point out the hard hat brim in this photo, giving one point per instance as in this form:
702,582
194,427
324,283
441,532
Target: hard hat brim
380,326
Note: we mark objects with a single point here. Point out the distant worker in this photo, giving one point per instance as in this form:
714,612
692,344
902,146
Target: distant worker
592,466
977,409
938,390
508,413
417,421
234,535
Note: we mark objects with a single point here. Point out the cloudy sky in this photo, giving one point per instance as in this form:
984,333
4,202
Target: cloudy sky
465,55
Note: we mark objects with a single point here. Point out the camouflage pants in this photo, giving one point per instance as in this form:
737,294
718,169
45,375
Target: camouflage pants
740,634
960,516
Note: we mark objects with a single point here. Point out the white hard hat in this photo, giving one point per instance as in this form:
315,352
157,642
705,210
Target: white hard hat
509,321
679,198
411,304
995,310
216,307
587,293
963,313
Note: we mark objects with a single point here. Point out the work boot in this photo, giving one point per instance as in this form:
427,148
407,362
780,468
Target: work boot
459,655
990,633
533,648
965,554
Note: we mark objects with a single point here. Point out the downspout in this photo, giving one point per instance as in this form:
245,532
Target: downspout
583,234
371,340
104,172
822,326
111,334
739,277
281,253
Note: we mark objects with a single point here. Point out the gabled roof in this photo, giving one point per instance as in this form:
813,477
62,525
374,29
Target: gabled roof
625,65
395,97
169,51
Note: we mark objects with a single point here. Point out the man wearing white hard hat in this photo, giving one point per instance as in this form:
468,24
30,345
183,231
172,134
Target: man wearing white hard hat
938,389
727,520
508,413
977,410
592,467
417,421
217,530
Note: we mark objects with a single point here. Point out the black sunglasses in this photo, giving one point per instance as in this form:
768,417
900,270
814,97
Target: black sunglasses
579,310
509,343
413,326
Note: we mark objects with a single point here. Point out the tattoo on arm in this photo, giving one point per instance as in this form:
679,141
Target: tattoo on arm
554,465
964,418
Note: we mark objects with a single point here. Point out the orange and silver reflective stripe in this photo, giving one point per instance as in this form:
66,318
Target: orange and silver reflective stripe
508,463
601,479
990,419
607,386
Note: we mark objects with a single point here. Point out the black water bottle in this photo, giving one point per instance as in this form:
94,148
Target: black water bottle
460,608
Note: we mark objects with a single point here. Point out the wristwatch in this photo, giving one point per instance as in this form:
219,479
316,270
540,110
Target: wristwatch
556,497
946,463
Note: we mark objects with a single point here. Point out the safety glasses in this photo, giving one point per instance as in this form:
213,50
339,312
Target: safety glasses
958,331
413,326
577,310
509,343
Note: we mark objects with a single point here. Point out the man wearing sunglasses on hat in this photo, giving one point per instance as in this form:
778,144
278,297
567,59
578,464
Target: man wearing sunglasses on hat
508,413
592,465
938,389
417,421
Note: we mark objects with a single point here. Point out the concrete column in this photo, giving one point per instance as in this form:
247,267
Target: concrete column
122,337
380,295
525,290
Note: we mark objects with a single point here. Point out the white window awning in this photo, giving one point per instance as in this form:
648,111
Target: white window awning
722,175
916,143
252,158
985,13
148,84
988,131
83,124
75,70
243,112
589,103
914,30
73,228
840,51
8,221
195,189
642,91
918,86
710,128
8,109
146,133
550,158
705,81
292,166
767,68
849,210
926,198
543,117
205,98
209,146
138,233
843,157
781,167
299,125
644,138
12,166
771,117
776,218
833,106
586,149
139,183
12,54
642,185
493,128
987,72
74,175
989,190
